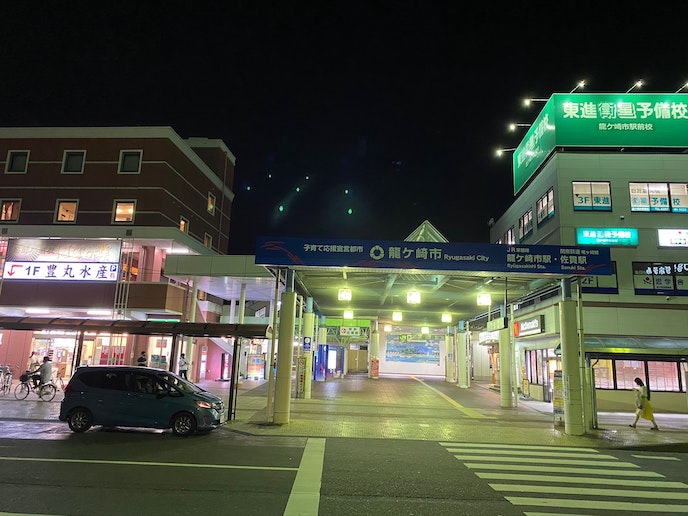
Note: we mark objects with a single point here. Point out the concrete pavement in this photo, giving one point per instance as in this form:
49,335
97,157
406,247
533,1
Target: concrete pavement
409,408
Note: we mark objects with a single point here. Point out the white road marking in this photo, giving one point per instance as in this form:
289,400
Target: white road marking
654,457
519,447
144,463
577,504
524,452
537,460
557,469
583,480
591,491
304,499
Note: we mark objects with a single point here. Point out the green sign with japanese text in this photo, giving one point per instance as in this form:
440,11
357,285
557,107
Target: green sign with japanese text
601,120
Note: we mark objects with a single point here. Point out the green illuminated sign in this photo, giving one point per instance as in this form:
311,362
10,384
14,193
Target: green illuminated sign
601,120
607,236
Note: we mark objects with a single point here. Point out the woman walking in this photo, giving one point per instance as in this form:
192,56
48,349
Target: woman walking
642,405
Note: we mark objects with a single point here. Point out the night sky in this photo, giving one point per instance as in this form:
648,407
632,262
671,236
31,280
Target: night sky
402,103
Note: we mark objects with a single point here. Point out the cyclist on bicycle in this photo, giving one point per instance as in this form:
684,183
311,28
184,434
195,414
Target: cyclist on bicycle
44,373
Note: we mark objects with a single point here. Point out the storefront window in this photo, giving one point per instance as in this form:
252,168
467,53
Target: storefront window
627,371
604,379
663,376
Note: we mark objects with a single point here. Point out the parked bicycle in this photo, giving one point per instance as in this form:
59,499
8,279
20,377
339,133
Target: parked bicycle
5,379
45,391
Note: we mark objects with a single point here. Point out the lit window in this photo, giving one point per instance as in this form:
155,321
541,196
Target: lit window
66,211
73,162
17,161
525,225
130,162
183,225
211,203
208,241
10,210
545,206
592,196
124,211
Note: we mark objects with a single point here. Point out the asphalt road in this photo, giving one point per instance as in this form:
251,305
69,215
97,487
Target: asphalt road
45,469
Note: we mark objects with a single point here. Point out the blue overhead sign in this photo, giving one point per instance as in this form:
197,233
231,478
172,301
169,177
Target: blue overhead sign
394,254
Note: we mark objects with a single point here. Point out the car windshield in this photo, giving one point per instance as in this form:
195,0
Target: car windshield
179,383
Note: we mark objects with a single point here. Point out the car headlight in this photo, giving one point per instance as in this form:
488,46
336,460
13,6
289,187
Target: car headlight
203,404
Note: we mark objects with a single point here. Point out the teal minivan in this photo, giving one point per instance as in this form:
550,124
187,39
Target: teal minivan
137,396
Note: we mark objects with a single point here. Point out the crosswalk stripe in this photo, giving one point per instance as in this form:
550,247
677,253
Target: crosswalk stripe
617,505
538,460
541,454
560,469
592,491
519,447
582,480
654,457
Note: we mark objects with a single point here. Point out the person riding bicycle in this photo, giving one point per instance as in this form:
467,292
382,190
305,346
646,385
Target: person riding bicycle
43,374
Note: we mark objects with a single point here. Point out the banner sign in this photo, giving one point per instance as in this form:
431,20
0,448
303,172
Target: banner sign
440,256
601,120
62,260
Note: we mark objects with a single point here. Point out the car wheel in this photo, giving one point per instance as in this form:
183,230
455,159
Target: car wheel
183,424
80,420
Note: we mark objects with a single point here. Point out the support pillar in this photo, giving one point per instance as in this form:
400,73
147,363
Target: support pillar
308,331
573,402
464,368
505,365
285,355
374,352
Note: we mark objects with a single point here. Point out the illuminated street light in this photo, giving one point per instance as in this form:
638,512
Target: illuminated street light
446,318
413,297
397,316
581,84
513,126
484,299
636,84
348,314
528,102
500,152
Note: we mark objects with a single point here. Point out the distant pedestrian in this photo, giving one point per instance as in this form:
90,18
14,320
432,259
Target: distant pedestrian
643,408
142,360
183,366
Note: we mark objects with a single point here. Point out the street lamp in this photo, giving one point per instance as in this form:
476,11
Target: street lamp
528,102
513,126
581,84
500,152
684,86
636,84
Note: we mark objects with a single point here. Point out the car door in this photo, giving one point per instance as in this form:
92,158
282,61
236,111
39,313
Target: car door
143,401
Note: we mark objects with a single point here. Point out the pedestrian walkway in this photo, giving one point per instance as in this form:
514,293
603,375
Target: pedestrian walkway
429,408
410,408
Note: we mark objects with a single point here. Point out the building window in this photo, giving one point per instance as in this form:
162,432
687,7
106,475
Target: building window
17,161
208,241
183,225
10,210
211,204
649,196
592,196
600,284
660,278
124,211
73,162
545,206
525,225
130,161
66,210
679,197
509,236
660,197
